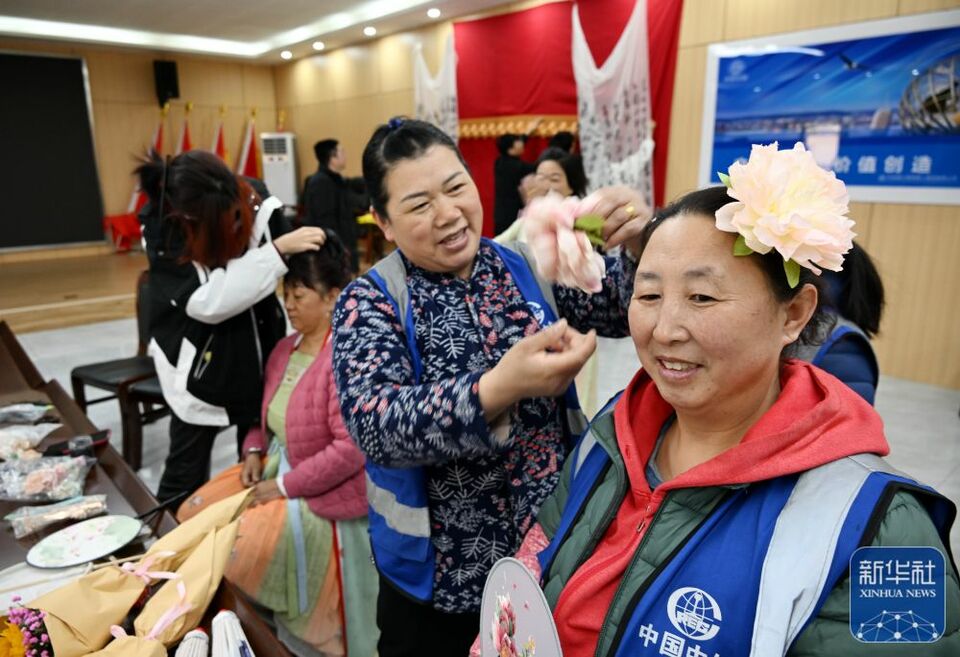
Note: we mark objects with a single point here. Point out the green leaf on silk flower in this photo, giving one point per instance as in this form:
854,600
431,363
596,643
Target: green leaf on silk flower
592,225
724,178
793,273
740,247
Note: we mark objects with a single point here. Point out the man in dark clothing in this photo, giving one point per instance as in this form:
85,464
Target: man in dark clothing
328,200
508,171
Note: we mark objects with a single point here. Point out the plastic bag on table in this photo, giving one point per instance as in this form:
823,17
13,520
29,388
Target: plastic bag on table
25,413
18,441
47,479
29,519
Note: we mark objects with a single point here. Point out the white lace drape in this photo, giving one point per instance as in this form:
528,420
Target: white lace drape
435,98
613,108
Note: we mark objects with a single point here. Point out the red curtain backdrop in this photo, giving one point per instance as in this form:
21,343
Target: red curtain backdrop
520,63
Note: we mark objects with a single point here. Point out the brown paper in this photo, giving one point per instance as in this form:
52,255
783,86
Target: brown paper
200,573
79,614
187,536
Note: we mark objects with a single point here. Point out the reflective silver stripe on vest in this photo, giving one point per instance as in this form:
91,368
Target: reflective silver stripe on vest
546,289
401,518
394,274
583,449
801,549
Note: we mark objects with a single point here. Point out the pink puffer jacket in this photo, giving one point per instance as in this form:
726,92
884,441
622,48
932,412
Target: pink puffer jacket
326,465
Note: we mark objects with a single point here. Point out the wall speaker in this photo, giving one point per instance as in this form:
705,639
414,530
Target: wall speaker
165,78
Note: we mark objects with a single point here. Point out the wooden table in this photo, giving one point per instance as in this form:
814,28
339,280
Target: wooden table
126,494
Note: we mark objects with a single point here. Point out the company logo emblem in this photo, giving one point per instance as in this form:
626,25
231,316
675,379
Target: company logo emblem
695,613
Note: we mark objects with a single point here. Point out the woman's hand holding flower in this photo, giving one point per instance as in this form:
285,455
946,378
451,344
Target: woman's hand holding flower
624,213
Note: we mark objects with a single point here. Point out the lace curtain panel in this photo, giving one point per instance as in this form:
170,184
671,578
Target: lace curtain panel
435,98
613,107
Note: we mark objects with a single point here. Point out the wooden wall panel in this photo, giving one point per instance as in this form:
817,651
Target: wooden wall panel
346,93
685,121
919,6
916,249
749,18
702,22
862,213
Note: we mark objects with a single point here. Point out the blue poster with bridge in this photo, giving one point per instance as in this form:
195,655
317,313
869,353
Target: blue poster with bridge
883,111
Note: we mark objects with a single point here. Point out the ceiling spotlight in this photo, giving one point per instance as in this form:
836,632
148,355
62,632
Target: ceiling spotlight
433,12
318,45
286,54
370,30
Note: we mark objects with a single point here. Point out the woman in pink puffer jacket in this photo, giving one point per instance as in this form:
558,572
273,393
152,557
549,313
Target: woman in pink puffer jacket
303,550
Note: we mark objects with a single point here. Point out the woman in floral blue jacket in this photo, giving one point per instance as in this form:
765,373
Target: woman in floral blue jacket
471,409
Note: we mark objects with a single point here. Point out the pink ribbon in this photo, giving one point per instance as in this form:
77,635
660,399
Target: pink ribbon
172,614
142,569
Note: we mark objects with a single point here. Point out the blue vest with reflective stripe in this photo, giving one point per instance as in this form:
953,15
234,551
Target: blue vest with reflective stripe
398,510
751,577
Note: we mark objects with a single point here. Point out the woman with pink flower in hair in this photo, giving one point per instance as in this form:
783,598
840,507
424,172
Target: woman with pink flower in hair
717,505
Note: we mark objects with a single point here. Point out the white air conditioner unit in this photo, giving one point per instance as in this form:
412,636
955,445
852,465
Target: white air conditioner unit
280,165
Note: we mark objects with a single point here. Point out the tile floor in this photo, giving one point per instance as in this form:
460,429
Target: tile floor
921,421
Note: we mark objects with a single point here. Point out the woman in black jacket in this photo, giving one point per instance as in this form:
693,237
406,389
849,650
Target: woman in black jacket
214,315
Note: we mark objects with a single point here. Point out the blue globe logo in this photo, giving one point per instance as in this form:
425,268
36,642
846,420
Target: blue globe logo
537,311
694,613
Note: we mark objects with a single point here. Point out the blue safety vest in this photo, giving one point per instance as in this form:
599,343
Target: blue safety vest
751,576
398,509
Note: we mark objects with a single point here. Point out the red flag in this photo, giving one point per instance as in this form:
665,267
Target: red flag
219,147
184,144
139,198
249,163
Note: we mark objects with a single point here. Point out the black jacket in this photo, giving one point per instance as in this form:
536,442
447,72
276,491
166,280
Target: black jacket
211,331
330,203
508,171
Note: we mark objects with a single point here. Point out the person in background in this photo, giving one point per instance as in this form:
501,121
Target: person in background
854,298
328,200
508,172
561,172
556,171
309,487
453,363
213,310
563,140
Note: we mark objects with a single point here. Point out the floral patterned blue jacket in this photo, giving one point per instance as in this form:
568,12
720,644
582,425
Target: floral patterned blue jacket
482,498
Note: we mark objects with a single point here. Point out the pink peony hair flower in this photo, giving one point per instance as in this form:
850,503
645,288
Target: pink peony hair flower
563,255
786,201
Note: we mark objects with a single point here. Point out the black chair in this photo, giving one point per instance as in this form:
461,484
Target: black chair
141,403
116,376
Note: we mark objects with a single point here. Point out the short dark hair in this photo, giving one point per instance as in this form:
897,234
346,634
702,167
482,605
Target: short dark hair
399,139
506,142
326,268
208,200
324,150
563,140
572,166
706,202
